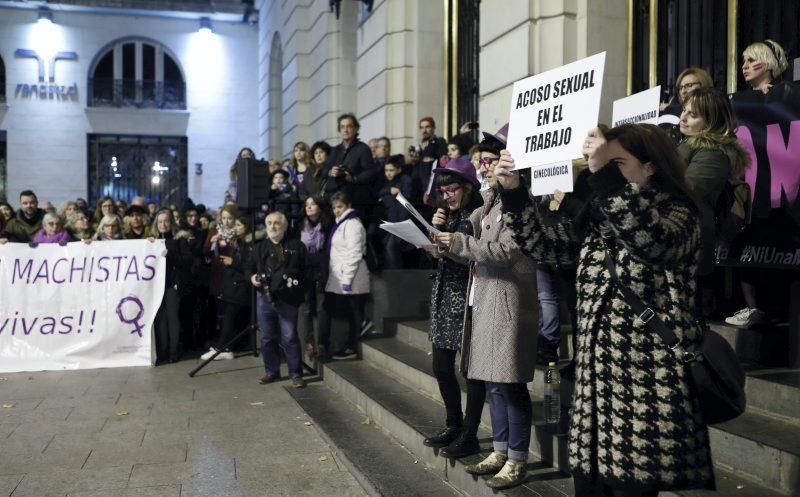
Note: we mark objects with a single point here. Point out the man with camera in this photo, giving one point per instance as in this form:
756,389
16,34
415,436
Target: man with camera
277,268
350,166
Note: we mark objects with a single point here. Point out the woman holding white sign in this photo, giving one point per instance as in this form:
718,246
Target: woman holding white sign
636,425
499,342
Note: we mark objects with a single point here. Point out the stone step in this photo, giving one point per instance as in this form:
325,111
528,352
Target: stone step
413,368
381,464
410,417
774,390
772,444
768,344
415,334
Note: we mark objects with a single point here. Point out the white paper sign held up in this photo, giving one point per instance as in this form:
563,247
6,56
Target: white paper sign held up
639,108
552,112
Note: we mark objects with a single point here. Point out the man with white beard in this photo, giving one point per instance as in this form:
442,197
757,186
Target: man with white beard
276,268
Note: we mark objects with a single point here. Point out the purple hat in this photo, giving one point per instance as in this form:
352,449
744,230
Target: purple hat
501,135
461,168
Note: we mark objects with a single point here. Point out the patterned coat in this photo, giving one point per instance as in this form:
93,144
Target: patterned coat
449,292
505,312
636,422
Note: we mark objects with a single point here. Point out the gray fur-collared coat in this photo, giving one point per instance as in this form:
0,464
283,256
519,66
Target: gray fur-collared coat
636,421
505,313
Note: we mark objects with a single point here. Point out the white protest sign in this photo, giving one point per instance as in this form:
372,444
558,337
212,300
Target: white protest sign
551,177
552,112
639,108
79,306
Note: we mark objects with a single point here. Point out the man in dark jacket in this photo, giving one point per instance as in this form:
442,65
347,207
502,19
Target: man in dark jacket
431,148
28,220
350,166
276,268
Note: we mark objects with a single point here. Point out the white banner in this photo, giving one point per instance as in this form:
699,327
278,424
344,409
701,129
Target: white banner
639,108
79,306
552,112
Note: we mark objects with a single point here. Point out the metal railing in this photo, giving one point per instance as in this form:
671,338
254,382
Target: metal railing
143,94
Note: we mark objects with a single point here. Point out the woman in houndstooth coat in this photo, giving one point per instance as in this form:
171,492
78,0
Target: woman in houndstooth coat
636,424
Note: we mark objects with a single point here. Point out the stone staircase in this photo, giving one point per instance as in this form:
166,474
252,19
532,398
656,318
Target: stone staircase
392,388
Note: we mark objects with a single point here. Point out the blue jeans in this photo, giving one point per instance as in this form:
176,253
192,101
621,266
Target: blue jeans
549,324
278,321
512,412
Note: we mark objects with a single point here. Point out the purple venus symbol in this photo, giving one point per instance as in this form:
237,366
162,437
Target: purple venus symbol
134,320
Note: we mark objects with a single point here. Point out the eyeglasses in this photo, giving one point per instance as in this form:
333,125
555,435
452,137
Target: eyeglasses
689,86
487,161
449,191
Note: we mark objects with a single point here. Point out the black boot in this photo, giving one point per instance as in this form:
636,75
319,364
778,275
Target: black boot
444,437
465,445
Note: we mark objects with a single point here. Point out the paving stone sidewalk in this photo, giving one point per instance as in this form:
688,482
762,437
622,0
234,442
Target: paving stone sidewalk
156,432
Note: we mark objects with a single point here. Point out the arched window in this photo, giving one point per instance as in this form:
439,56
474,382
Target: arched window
2,81
136,73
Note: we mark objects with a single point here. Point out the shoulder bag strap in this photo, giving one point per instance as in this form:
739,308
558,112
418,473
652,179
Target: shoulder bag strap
644,313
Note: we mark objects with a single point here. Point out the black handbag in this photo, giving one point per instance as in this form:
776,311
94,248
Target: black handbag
717,375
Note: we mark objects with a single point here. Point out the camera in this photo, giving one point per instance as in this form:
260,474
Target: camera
265,279
342,171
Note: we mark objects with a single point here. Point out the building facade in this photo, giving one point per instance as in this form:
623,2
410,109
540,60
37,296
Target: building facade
94,99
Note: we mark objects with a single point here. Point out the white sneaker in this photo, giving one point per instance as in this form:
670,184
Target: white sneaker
206,356
746,318
224,356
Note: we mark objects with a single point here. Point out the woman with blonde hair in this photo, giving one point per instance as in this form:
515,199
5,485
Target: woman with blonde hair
688,80
78,226
764,63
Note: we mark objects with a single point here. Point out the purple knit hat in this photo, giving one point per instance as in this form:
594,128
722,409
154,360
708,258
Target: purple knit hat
461,168
500,135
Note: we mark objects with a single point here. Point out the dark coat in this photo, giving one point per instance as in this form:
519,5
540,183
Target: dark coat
636,421
709,162
23,227
180,263
285,266
449,292
313,182
421,170
235,278
392,210
357,159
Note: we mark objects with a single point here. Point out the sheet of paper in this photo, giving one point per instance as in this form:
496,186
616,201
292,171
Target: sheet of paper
410,208
407,231
551,177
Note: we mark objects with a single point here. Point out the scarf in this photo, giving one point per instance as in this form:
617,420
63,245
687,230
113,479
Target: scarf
42,237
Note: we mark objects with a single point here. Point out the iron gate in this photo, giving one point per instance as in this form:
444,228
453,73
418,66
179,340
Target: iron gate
125,166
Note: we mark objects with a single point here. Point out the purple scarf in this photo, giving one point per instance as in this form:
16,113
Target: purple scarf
42,237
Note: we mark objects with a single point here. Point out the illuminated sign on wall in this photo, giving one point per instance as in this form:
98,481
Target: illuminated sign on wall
49,90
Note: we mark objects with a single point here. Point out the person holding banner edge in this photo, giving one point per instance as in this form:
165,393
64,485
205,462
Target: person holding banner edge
637,427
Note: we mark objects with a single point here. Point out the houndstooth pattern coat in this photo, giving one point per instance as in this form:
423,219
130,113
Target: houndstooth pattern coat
636,422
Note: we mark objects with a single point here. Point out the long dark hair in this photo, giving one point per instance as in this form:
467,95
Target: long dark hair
649,143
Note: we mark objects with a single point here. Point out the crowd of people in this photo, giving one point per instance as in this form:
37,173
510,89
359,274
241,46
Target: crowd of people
642,200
